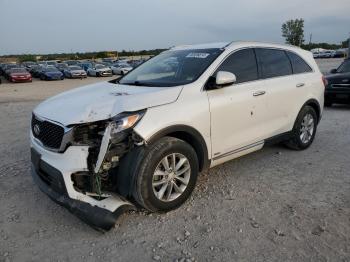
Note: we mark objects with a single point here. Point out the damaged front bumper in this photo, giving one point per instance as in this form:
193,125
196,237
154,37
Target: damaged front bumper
53,172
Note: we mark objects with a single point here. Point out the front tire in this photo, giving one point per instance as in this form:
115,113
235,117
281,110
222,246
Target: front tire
166,176
304,129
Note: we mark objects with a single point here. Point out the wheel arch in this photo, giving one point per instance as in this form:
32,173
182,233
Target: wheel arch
316,106
190,136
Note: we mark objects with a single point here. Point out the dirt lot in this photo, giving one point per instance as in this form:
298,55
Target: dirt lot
272,205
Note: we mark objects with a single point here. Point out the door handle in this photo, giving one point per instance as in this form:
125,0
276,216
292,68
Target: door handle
300,85
259,93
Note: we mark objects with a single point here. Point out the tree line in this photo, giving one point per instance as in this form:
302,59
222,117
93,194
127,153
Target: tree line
293,32
83,56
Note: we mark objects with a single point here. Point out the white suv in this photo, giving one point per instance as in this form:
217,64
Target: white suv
142,140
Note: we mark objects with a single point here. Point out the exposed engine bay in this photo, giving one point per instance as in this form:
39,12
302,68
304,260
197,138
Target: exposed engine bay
106,149
83,172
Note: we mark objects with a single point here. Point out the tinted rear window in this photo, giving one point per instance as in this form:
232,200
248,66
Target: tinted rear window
243,64
298,64
273,63
344,67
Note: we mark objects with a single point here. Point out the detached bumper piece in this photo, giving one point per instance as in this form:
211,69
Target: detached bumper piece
50,181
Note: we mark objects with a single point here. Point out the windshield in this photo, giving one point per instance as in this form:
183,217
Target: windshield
75,68
18,70
119,64
51,69
344,67
100,66
171,68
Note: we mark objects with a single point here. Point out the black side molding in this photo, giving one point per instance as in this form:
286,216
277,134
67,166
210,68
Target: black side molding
278,139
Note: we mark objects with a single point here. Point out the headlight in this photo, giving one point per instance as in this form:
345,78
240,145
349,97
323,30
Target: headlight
126,121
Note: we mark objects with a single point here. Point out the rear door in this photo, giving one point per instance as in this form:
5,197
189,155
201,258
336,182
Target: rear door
237,111
276,72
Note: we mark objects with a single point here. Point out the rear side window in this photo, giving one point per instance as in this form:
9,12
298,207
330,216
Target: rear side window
243,64
298,64
273,63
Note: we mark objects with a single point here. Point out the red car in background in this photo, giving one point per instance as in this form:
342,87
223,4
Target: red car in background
19,75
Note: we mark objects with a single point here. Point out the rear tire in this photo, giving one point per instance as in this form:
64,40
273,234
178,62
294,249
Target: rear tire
158,188
304,129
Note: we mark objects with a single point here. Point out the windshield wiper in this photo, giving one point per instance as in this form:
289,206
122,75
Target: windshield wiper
137,83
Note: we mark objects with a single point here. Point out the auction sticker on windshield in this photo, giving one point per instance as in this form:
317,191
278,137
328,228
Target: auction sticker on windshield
197,55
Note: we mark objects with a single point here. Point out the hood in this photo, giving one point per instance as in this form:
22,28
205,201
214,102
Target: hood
53,73
78,72
103,100
20,74
103,69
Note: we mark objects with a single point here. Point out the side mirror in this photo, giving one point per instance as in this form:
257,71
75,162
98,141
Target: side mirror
333,71
224,78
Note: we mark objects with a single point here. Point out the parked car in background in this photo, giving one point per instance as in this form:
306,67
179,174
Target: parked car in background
341,53
71,62
28,64
338,85
50,63
74,72
121,69
2,68
316,54
108,60
85,65
51,73
36,70
8,67
108,64
99,70
144,138
136,63
19,75
62,66
327,54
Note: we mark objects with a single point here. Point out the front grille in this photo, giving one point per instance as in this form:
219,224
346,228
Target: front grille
49,134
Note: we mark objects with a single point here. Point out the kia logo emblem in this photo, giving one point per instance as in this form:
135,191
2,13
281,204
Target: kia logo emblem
36,129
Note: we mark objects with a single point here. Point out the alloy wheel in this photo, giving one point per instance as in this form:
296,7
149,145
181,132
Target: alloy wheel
307,128
171,177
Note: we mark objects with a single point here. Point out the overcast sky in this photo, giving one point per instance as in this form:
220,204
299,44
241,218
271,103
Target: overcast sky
49,26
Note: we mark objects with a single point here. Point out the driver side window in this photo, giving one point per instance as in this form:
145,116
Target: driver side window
243,64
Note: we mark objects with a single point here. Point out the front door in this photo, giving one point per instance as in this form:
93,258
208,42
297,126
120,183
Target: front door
237,111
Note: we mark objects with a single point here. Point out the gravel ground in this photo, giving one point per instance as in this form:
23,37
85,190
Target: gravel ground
327,64
272,205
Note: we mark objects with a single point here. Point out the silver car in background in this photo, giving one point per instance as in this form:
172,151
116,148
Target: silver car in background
99,70
74,72
121,69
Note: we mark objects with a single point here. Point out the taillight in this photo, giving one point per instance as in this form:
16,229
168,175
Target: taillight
325,81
